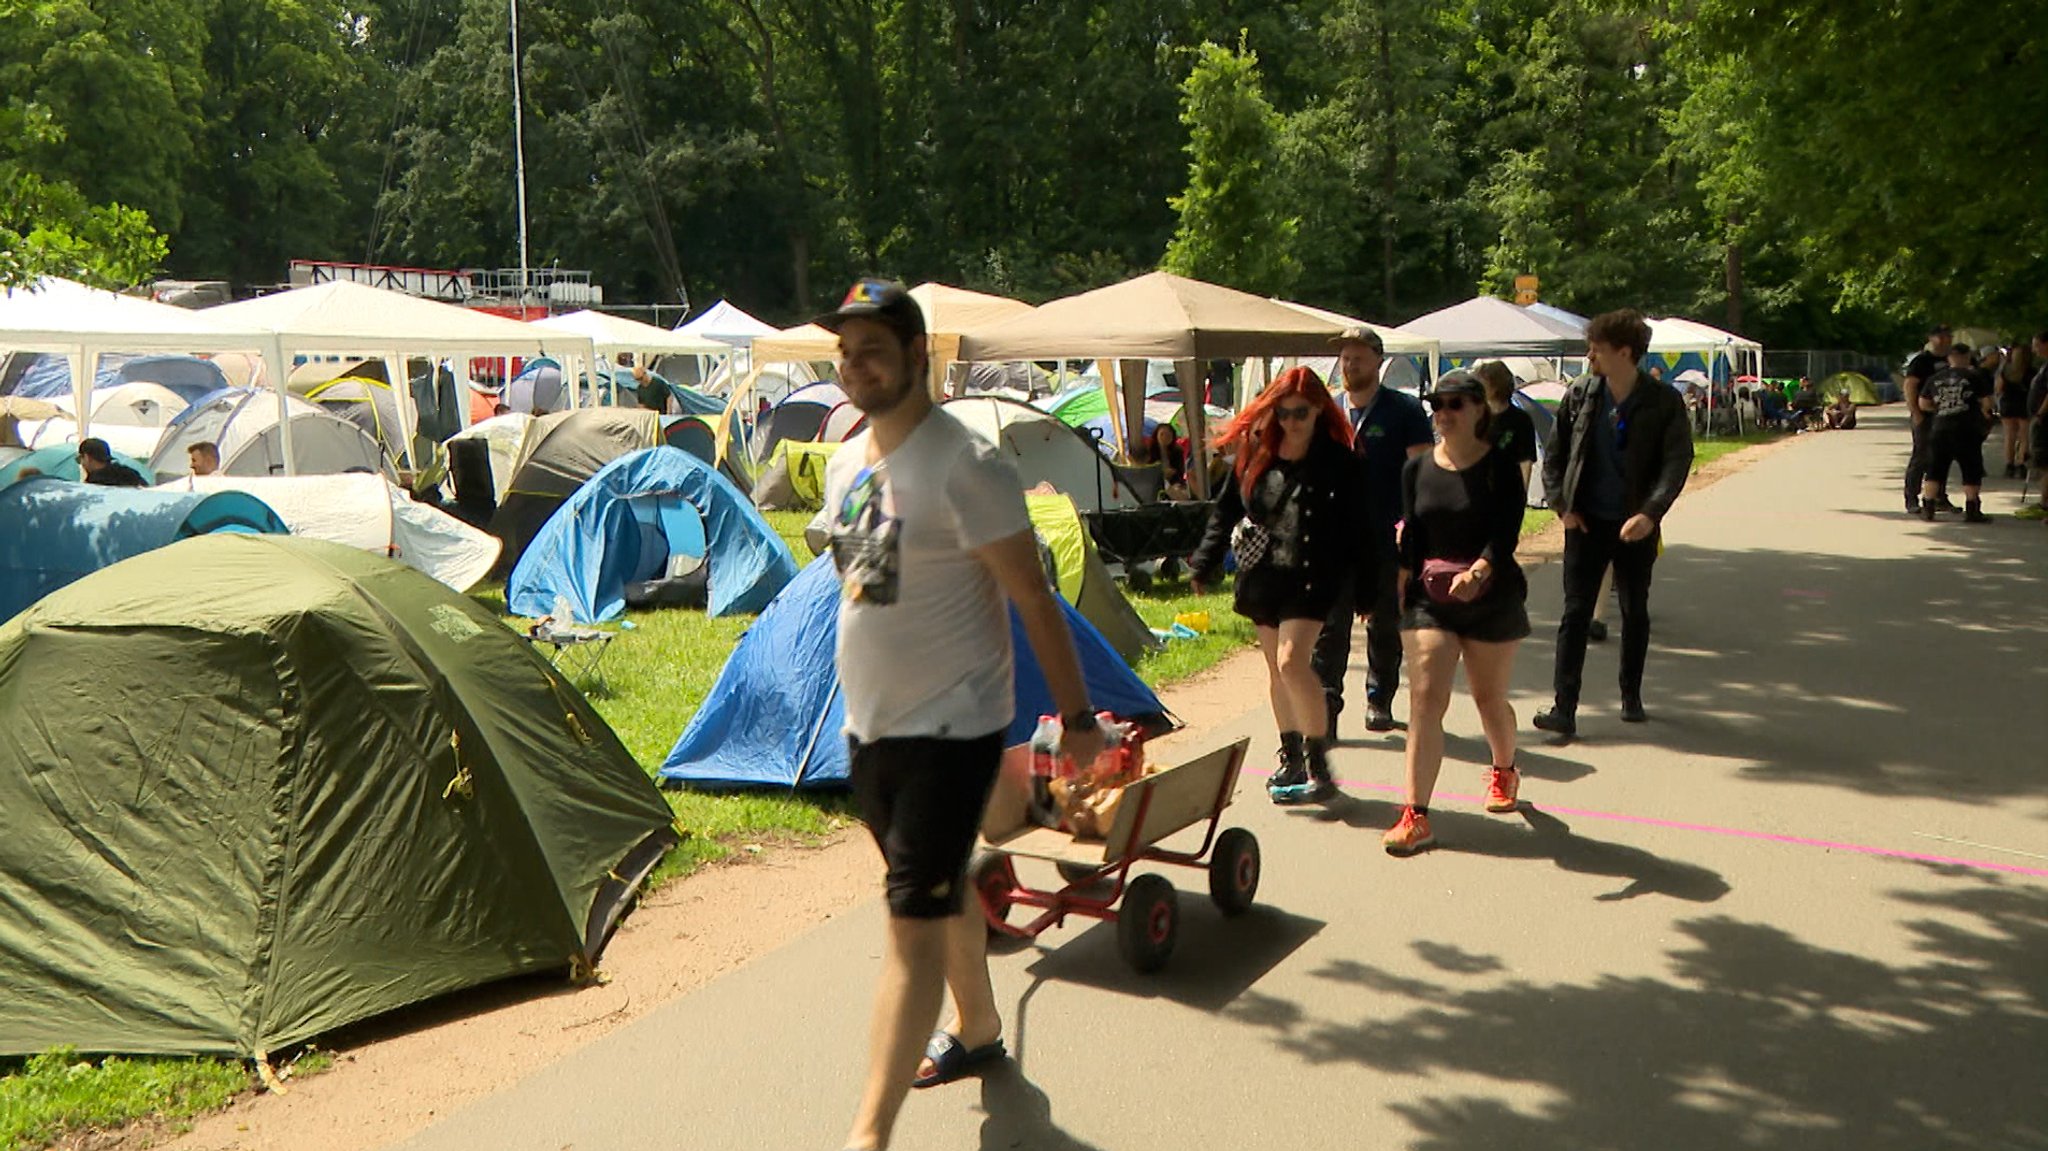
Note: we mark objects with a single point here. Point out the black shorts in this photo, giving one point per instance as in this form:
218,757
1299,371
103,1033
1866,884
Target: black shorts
1267,595
922,799
1499,616
1964,447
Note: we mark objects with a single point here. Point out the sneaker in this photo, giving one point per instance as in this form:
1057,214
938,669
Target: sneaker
1503,787
1288,783
1632,711
1378,717
1596,631
1320,786
1562,723
1410,835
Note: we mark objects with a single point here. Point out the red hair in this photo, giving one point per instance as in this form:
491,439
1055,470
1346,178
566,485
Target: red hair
1257,428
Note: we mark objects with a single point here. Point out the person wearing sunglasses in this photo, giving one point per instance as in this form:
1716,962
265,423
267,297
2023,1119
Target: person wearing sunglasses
932,544
1463,597
1388,429
1293,516
1618,457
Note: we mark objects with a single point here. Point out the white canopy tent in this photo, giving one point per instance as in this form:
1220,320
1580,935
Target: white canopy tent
1677,336
68,319
1486,326
726,324
609,335
354,319
1393,341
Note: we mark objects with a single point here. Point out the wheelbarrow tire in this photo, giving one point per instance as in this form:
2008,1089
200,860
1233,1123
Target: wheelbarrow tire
993,876
1234,871
1079,874
1148,923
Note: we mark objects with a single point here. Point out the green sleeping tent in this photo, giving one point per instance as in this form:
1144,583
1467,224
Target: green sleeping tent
255,788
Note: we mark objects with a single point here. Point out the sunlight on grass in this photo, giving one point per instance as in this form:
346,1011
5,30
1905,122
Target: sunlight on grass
57,1092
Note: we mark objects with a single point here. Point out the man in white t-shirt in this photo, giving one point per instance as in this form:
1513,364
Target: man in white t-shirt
932,542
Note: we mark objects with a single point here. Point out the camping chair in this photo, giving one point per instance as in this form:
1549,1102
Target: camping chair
577,651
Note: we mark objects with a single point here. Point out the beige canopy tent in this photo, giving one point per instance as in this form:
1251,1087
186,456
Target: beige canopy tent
948,312
355,319
1158,316
68,319
1393,341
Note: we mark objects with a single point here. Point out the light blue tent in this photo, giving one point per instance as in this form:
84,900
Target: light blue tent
650,527
53,532
774,717
48,376
61,462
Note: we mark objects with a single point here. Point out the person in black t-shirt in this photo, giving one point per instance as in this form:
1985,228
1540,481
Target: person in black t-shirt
2013,378
2037,412
1508,427
96,461
1462,598
1957,403
1919,370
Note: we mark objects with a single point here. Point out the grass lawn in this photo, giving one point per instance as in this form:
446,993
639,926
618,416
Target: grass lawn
56,1092
1706,451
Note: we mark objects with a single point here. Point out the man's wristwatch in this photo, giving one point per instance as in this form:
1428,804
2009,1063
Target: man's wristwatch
1079,721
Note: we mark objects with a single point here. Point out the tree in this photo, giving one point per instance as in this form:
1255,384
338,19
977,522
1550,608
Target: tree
1231,227
48,228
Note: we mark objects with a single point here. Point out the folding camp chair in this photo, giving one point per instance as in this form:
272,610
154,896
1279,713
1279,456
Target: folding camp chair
577,651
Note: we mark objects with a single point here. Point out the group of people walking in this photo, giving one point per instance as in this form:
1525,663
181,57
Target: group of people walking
1367,507
1957,399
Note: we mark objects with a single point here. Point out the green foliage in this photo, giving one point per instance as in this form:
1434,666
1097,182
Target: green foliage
57,1092
1231,229
47,228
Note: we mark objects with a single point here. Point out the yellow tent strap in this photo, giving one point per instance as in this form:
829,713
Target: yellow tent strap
464,783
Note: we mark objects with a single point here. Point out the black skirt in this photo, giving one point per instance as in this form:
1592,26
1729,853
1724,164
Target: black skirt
1499,616
2012,404
1267,595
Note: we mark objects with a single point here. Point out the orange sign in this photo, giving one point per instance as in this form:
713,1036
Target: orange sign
1525,290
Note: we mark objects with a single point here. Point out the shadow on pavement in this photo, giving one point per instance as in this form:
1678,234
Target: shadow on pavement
1019,1115
1215,960
1758,1041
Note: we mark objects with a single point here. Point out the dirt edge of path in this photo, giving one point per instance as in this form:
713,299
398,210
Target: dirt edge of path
396,1076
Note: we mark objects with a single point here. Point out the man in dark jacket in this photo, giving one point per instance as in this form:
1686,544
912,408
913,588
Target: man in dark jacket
96,465
1617,459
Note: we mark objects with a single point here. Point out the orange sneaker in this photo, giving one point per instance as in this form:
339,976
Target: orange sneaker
1410,835
1503,785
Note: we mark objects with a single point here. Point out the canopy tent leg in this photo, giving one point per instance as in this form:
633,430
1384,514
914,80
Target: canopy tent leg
1197,420
1130,375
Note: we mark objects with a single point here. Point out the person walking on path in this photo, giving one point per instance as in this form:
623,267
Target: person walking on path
930,536
1957,402
2037,408
1508,427
1387,429
1919,370
1617,460
1463,597
1294,516
2013,381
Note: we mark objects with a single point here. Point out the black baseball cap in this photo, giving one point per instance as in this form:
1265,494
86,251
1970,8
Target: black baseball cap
1358,335
1939,330
1458,383
875,299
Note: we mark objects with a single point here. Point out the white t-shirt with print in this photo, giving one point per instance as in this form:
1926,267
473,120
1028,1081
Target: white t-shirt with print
924,630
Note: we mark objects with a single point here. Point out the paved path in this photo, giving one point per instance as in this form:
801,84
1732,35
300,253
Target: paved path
1805,907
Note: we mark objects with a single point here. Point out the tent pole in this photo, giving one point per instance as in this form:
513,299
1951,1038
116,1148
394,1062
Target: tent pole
84,366
274,362
803,762
1197,420
402,391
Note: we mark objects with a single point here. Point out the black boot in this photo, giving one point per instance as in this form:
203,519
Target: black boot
1973,513
1287,783
1320,786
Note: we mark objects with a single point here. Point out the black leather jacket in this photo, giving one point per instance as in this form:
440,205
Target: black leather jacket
1655,463
1330,501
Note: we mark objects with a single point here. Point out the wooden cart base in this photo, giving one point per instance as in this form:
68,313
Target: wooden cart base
1098,874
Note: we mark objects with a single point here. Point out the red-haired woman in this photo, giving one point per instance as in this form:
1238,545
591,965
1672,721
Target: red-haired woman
1294,516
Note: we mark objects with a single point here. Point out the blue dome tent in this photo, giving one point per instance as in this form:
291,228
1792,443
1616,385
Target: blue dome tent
652,527
774,717
53,532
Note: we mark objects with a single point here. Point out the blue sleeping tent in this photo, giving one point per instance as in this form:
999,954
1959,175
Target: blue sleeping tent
653,527
774,717
53,531
60,461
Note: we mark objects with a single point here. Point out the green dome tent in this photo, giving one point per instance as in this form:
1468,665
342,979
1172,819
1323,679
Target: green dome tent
313,785
1861,390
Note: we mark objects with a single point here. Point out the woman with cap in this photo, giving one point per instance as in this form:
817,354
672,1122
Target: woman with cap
1462,597
1294,517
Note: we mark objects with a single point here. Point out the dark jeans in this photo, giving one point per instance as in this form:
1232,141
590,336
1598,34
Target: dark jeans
1382,637
1916,463
1587,555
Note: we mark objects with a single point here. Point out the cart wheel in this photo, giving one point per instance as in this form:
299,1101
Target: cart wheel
1148,922
1234,871
1079,874
994,876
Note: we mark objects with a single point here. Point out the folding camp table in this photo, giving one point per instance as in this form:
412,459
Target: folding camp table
578,651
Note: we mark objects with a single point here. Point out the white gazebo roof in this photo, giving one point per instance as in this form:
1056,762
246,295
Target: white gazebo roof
612,334
727,324
346,317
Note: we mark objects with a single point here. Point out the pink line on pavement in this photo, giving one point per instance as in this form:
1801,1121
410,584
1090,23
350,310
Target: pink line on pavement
1730,832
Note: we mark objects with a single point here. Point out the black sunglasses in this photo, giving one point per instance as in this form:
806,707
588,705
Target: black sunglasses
1450,403
1296,412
